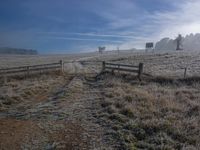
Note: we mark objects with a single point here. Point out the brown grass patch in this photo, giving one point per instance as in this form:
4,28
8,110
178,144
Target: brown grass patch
158,114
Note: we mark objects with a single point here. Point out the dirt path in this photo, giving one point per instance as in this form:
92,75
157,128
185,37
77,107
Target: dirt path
62,118
84,108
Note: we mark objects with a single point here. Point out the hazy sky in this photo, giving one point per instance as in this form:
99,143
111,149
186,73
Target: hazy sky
63,26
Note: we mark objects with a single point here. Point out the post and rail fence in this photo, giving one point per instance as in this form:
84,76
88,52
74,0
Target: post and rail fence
123,67
28,70
31,69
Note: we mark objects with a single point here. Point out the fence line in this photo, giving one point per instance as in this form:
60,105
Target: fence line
123,67
83,61
33,68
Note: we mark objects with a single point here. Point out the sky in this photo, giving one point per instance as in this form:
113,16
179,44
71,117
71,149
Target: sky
73,26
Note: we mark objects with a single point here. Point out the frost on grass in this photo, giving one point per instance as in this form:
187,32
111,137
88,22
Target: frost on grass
151,115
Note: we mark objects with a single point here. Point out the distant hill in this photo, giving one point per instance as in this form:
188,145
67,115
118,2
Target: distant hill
7,50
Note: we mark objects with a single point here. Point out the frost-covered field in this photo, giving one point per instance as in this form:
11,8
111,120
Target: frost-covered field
160,64
168,64
22,60
79,111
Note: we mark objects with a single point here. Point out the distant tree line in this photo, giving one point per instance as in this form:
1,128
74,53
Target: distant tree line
7,50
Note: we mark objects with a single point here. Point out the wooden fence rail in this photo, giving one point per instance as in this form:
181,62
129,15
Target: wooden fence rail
29,69
123,67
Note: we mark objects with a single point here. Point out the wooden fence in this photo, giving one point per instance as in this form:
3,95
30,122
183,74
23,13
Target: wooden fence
123,67
31,69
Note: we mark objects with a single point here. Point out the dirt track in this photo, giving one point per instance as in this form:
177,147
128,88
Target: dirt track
62,117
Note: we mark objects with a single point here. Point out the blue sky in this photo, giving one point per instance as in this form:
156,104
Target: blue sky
71,26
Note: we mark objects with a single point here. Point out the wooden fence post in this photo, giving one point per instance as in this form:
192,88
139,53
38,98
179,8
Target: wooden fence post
140,70
4,79
28,71
103,65
185,72
61,66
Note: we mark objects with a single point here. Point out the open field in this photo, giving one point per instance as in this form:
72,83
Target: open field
79,110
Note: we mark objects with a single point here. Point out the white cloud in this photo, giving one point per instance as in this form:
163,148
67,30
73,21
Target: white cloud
84,39
123,20
184,19
89,34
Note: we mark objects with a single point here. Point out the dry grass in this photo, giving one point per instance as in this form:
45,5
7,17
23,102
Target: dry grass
32,89
158,113
153,115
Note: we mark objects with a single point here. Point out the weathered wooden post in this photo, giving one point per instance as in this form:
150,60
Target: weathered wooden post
28,71
61,66
140,70
103,66
118,67
113,72
4,79
185,72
